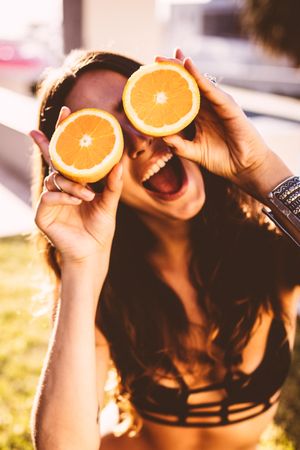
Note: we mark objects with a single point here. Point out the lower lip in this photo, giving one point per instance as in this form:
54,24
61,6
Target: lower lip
175,195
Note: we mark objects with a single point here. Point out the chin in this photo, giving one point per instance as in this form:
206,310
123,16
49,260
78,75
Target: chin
189,209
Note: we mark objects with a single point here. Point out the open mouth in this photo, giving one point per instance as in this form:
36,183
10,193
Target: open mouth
169,180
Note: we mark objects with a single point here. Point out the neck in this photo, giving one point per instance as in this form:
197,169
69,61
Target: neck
173,243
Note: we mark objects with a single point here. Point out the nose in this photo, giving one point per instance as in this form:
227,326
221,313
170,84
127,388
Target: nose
136,142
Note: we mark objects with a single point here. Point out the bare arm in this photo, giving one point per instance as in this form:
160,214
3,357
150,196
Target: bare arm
66,404
81,226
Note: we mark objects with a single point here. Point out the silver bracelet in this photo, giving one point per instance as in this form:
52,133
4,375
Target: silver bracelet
286,198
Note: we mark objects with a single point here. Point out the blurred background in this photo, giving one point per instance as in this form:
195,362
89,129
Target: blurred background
251,46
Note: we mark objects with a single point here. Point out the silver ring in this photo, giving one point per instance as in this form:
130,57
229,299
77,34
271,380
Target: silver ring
50,169
56,183
211,78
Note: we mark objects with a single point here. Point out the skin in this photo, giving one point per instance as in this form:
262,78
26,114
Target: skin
81,225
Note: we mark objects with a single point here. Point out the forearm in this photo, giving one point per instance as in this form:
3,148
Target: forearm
65,415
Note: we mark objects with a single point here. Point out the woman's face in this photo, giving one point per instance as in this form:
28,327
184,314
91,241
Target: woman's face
176,191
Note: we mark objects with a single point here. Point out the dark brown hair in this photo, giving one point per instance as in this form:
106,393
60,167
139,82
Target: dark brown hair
274,24
238,263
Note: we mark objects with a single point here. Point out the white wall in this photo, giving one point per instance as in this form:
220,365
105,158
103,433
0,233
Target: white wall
124,26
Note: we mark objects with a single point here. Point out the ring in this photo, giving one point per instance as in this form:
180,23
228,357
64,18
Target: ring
50,169
211,78
56,183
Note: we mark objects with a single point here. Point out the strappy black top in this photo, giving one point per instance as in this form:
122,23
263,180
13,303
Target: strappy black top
250,394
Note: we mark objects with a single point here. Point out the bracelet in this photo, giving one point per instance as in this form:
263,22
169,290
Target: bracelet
286,198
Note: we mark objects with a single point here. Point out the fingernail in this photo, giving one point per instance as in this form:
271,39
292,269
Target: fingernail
32,134
187,59
88,195
35,135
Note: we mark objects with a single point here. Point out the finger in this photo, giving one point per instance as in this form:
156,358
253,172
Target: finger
42,142
113,188
58,199
220,100
166,59
48,201
178,54
182,147
63,114
69,187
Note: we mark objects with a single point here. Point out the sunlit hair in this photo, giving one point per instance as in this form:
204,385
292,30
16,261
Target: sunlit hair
235,266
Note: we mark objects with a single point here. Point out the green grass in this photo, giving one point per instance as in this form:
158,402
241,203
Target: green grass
23,339
24,335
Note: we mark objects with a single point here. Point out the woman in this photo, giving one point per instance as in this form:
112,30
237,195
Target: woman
192,295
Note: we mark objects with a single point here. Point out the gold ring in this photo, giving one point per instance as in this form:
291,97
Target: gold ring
56,183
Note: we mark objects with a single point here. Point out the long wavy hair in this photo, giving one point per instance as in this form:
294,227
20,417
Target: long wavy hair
235,265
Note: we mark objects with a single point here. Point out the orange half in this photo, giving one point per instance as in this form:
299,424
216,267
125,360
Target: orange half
161,98
86,145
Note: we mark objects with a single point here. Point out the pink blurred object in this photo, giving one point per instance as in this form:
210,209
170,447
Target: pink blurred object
21,64
11,55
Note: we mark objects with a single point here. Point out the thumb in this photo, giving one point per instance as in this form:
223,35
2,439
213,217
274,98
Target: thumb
111,193
182,147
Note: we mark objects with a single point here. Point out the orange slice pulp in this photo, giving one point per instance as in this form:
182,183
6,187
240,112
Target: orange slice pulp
161,98
86,145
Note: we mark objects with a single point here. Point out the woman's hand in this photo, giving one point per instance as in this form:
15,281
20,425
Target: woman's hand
226,143
78,222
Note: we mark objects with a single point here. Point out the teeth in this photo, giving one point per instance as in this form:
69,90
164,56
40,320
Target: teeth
161,162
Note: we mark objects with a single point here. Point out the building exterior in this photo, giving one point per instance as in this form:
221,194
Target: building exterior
128,27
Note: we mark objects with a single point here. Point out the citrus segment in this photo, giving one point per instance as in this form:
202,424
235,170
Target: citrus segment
161,98
86,145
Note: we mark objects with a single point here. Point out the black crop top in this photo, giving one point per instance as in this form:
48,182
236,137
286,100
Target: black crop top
250,394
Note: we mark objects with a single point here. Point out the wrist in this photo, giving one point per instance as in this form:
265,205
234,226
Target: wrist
271,172
90,261
90,271
284,200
